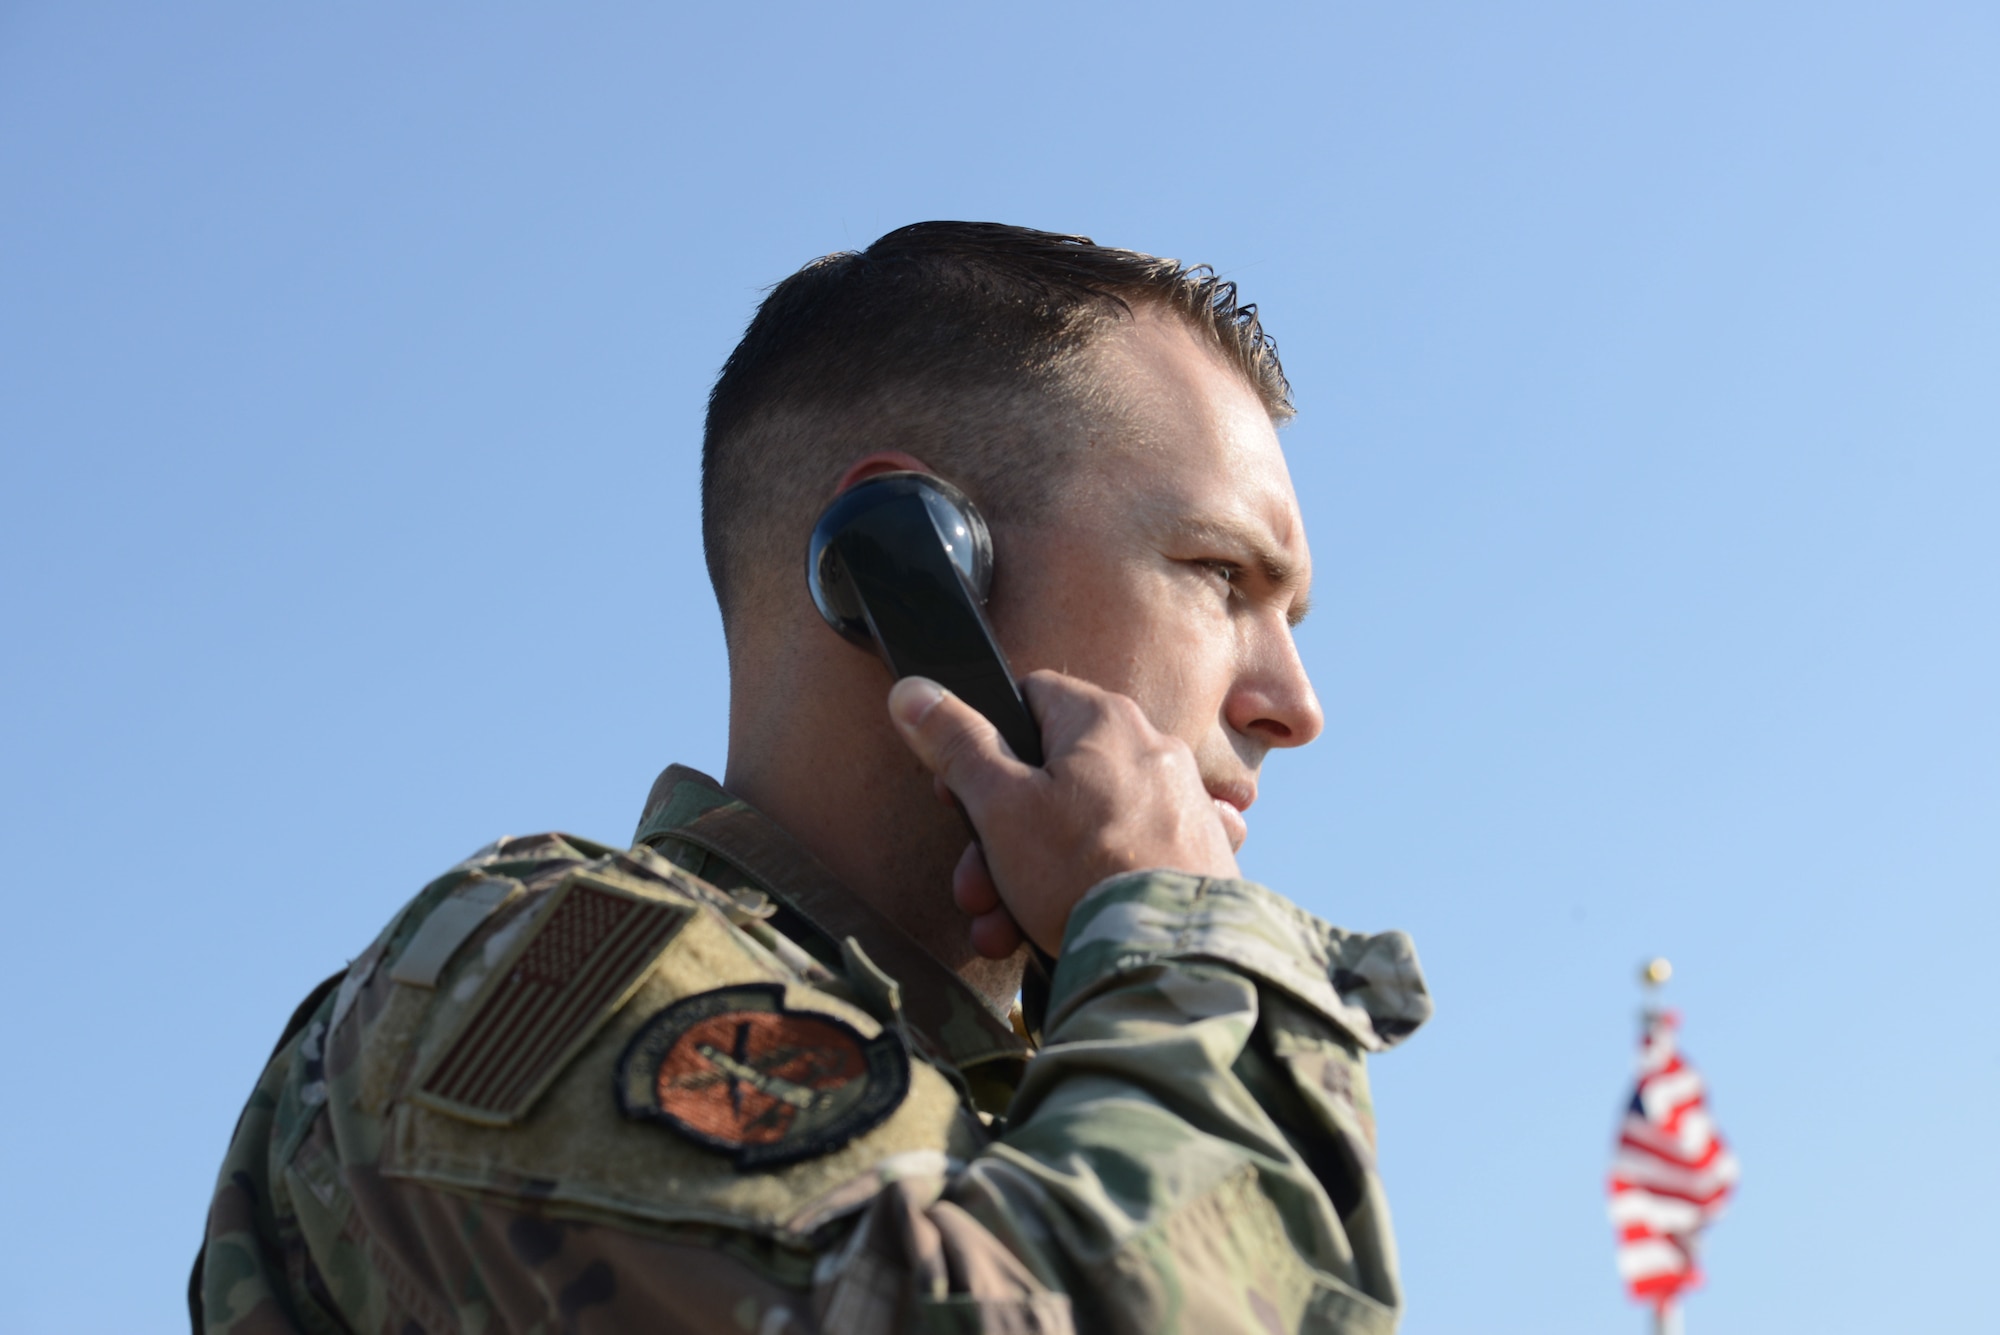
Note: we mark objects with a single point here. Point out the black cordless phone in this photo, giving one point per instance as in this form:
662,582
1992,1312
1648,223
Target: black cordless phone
901,563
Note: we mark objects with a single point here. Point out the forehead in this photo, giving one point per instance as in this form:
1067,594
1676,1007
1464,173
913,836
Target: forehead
1181,439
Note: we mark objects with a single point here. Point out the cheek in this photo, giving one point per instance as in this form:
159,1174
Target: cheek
1070,609
1183,682
1143,634
1088,632
1182,652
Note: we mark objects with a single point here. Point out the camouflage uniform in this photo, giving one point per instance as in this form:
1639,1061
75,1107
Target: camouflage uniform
1191,1148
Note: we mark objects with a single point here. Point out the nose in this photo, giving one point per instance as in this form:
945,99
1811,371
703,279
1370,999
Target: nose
1272,700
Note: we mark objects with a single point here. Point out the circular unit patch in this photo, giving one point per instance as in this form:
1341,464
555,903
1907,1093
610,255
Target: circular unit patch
735,1071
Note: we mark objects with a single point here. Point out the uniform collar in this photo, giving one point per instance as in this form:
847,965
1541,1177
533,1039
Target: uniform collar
688,806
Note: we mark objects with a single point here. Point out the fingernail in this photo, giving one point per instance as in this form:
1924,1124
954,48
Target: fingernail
912,698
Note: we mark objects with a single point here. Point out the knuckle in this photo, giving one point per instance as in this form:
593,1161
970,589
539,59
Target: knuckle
956,747
1168,757
1050,687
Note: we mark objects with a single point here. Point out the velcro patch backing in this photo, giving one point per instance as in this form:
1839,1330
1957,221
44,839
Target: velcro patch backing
589,949
447,928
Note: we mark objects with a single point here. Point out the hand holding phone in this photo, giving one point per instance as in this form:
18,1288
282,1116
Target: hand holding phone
1114,795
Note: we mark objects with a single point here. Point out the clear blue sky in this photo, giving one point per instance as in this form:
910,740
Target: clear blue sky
1648,357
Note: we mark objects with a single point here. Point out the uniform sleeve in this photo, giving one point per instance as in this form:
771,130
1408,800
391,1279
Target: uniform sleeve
1193,1148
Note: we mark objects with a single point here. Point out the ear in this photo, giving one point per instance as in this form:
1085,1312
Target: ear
881,461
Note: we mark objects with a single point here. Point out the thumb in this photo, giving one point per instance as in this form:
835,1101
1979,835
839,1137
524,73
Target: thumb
952,739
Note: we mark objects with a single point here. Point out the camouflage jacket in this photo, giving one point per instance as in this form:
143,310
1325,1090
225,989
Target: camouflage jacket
696,1086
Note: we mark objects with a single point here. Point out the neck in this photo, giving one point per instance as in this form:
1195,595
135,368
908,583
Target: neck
811,747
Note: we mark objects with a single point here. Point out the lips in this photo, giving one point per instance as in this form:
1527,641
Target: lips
1231,801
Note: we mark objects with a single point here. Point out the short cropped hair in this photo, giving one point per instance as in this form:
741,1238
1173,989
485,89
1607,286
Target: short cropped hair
957,342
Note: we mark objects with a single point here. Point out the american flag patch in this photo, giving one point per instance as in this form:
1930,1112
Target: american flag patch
562,980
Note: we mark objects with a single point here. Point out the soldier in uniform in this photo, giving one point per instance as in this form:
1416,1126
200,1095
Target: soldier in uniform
764,1071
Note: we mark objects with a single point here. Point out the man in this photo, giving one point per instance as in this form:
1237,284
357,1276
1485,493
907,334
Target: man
762,1072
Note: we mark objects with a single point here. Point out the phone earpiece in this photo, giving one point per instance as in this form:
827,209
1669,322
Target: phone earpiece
902,563
883,504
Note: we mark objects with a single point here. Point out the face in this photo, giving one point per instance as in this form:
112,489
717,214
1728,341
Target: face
1174,564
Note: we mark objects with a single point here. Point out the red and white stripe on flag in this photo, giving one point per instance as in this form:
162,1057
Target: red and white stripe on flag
1672,1174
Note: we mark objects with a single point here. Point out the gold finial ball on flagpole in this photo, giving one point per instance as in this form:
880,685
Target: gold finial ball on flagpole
1657,971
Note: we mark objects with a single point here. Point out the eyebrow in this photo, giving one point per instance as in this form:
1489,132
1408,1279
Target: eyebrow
1275,568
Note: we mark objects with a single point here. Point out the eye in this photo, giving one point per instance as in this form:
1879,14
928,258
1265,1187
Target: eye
1228,573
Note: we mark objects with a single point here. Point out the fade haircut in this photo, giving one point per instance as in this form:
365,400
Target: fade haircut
960,343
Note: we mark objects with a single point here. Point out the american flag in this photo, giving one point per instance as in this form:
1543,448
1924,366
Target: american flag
1671,1175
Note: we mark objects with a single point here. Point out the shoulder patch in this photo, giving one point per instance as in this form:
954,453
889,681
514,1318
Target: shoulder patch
585,954
736,1071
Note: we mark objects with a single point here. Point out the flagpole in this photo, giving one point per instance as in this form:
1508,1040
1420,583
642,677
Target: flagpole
1666,1315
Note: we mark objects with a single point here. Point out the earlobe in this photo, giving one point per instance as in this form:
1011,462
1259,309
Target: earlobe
878,462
